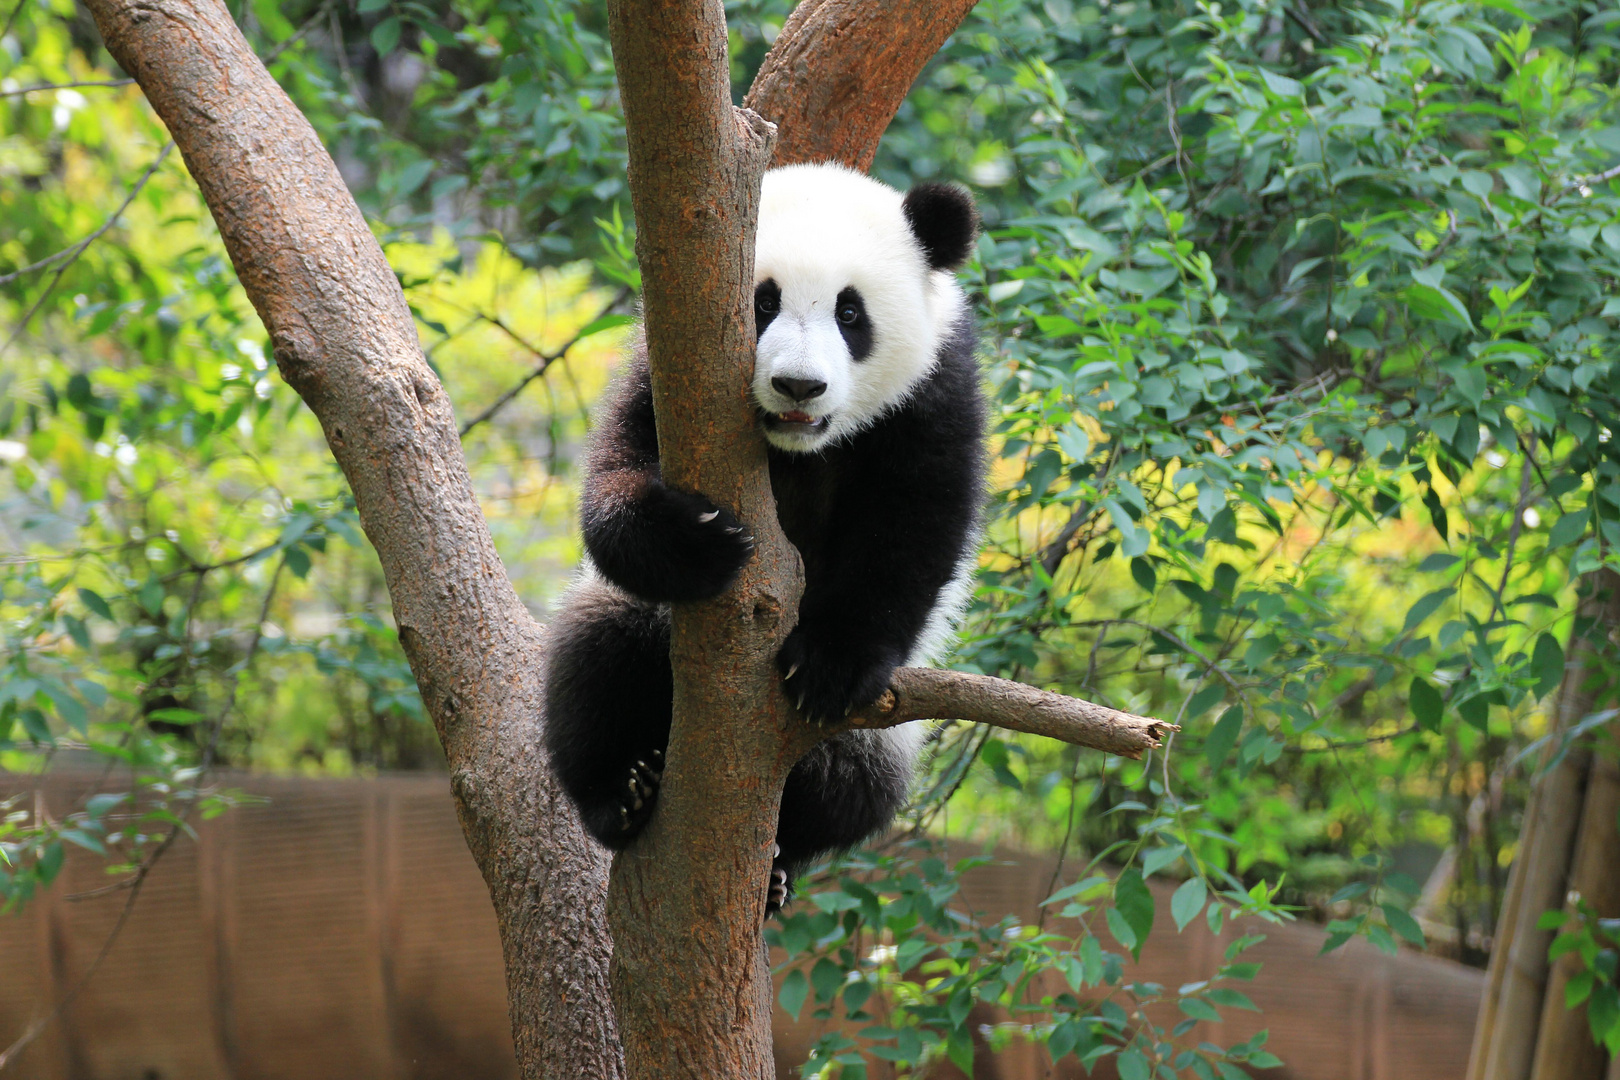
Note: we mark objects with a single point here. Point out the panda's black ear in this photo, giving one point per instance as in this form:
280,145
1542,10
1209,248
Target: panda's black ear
944,221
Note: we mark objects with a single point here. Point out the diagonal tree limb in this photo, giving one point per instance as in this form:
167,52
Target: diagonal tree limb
345,340
840,70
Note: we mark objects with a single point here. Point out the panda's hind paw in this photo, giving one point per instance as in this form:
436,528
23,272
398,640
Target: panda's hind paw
640,793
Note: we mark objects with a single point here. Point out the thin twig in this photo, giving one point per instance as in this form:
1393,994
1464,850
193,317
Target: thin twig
1306,25
63,86
6,29
71,254
286,43
540,367
1595,178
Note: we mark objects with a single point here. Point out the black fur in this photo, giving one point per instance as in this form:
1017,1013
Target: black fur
853,323
767,303
881,519
944,221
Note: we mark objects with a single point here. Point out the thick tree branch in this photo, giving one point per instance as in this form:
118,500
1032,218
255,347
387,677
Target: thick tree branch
930,694
694,883
345,340
840,70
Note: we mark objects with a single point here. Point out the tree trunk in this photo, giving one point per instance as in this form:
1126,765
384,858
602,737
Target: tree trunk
1517,1010
688,974
1565,1049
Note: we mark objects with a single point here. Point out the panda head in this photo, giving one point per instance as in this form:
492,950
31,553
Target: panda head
854,293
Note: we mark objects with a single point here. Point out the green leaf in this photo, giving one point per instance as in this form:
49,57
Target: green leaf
1281,85
1187,902
795,988
1201,701
1567,529
1142,573
1121,929
1199,1009
1160,857
1091,960
385,35
1437,562
1437,305
1133,1066
1403,924
1223,736
96,605
1235,999
1426,704
1425,607
1547,663
826,977
606,322
1134,902
50,862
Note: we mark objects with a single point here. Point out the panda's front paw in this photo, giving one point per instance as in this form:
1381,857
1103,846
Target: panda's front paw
780,888
828,681
701,547
640,795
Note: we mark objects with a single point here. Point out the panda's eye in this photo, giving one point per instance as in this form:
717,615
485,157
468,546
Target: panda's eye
767,304
848,314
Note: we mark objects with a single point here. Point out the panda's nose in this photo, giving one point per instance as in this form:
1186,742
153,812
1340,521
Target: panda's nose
800,390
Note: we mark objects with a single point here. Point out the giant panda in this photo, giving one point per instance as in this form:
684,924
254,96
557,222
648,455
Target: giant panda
869,397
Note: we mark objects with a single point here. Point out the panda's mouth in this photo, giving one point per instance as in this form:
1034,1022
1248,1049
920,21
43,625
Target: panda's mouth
796,423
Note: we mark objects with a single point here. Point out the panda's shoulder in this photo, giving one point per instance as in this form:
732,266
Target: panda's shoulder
953,387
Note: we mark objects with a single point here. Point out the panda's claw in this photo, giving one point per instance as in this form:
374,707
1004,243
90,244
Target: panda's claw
710,516
641,795
792,670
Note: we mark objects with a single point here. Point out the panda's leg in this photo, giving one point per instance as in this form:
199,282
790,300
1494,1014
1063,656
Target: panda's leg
608,698
844,791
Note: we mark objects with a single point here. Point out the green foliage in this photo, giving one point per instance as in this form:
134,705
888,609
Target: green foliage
906,972
1596,943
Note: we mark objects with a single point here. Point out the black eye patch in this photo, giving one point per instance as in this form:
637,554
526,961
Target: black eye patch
850,311
767,302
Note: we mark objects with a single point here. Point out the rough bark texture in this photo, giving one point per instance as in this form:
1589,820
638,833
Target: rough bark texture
840,69
344,339
1511,1011
929,694
694,885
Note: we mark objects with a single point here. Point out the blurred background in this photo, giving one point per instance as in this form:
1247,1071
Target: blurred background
1299,321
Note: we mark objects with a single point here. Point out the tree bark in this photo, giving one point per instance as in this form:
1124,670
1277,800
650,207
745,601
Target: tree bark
689,977
345,340
840,69
1565,1049
694,884
1516,991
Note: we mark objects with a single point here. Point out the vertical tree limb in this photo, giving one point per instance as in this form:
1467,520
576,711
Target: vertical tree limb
345,340
695,881
1510,1014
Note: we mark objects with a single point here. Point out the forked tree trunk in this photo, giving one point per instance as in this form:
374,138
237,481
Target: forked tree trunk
1567,842
688,977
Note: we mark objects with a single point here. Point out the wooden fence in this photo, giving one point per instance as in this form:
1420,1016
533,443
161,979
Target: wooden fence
341,930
